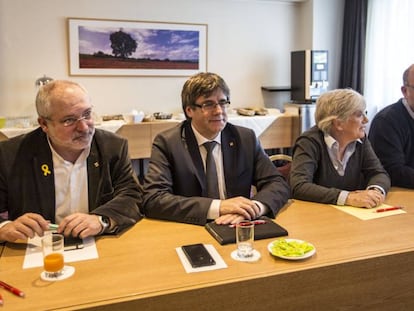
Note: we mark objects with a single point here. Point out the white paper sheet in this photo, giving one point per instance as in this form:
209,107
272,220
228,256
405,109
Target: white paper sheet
34,258
220,264
368,213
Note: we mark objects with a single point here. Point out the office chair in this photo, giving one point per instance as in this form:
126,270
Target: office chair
283,163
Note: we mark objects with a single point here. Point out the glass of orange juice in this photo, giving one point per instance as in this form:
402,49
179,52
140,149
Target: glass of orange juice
53,259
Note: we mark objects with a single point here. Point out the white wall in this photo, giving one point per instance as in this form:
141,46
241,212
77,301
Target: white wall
249,44
327,34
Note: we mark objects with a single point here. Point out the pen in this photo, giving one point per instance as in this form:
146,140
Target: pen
255,222
53,226
393,208
11,289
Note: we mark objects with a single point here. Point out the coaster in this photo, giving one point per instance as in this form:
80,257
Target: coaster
256,256
68,271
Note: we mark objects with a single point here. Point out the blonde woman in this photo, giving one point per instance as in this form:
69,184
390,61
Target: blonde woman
333,162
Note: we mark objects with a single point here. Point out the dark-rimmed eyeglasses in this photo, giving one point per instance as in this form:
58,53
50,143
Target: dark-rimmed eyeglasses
210,105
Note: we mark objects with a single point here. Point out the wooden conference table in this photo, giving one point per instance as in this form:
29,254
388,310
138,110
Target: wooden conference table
358,265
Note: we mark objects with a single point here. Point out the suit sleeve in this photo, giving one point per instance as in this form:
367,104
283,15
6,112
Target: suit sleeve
170,187
272,188
119,196
373,170
389,139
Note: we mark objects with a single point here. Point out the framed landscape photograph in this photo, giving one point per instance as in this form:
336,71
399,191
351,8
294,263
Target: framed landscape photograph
134,48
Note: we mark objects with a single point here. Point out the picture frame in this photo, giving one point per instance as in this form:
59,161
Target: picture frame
99,47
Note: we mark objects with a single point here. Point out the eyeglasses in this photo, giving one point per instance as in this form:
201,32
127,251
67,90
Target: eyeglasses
410,86
210,105
70,121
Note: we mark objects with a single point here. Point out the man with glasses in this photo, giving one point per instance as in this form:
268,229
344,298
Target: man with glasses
204,168
66,172
392,135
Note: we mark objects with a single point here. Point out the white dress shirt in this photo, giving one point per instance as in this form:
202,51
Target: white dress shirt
71,185
214,210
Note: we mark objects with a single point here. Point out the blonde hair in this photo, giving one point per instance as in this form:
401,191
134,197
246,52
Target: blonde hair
337,104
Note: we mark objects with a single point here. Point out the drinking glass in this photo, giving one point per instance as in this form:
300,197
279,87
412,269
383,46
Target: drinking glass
53,259
244,239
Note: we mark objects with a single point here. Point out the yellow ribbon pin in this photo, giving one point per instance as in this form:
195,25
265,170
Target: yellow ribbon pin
46,170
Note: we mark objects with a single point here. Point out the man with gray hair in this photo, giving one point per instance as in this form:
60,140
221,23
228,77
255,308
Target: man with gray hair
392,135
66,172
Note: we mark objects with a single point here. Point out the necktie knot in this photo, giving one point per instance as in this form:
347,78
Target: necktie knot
209,145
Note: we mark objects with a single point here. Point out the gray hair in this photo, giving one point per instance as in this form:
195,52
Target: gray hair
52,92
337,104
202,84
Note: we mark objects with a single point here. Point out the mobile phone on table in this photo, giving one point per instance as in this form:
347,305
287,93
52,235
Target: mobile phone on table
72,243
198,255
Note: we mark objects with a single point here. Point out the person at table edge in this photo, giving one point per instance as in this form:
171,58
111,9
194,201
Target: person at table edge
333,162
66,171
392,135
175,186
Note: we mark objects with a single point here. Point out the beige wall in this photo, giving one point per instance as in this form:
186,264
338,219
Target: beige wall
249,44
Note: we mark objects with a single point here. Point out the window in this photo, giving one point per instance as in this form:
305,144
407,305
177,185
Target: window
389,51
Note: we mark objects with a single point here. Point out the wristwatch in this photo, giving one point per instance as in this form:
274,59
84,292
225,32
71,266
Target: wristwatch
105,223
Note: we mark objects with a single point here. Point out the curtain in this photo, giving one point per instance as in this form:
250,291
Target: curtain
351,73
390,50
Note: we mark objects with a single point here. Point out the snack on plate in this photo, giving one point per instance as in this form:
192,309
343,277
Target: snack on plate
291,248
162,115
252,111
112,117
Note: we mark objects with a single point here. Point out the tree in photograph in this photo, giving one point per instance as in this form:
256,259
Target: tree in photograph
122,44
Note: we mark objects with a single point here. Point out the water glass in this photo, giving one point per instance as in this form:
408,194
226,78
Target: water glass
245,239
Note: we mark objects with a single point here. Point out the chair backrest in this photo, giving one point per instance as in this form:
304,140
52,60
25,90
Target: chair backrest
283,163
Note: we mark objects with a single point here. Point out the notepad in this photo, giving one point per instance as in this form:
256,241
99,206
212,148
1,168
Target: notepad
224,234
368,213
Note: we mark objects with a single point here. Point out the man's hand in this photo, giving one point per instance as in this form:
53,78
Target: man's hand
24,227
365,198
80,225
244,207
229,219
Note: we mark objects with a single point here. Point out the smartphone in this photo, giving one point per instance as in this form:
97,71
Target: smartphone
198,255
72,243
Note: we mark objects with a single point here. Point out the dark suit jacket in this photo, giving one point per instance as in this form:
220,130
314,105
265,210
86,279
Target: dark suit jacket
25,185
175,184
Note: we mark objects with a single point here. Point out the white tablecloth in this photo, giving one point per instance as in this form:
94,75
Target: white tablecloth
257,123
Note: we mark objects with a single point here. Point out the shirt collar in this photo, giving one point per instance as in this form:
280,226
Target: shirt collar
58,159
410,112
331,142
201,139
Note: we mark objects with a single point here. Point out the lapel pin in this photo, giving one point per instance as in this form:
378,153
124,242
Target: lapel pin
45,169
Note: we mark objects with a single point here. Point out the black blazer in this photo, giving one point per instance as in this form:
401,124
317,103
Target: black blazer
27,178
175,184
